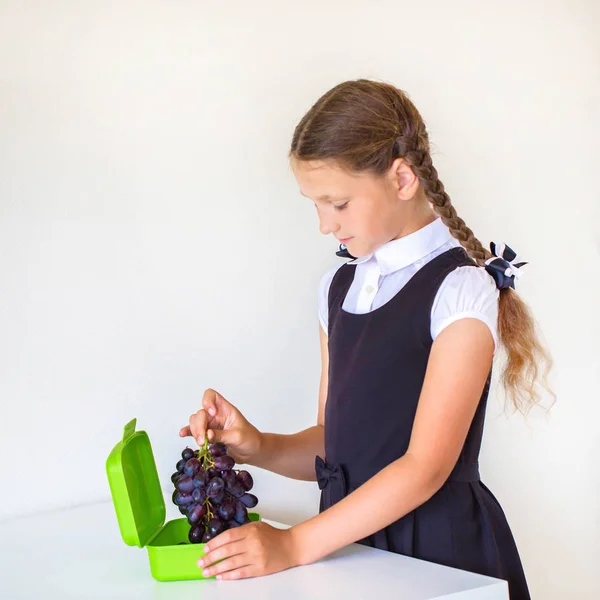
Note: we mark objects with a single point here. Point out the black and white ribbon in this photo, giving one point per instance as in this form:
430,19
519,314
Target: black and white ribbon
502,266
343,252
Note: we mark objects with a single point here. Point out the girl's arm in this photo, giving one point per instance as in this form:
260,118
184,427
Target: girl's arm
458,367
291,455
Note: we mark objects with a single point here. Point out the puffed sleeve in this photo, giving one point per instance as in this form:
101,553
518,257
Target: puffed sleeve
467,292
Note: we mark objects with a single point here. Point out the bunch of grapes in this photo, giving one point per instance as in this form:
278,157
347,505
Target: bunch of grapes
212,495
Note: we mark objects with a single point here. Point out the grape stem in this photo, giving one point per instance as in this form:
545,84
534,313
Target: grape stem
205,458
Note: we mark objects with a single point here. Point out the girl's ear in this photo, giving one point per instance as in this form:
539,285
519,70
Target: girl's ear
403,179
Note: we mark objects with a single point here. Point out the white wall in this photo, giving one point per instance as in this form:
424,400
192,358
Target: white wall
153,242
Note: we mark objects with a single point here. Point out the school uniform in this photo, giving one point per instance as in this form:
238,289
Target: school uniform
381,313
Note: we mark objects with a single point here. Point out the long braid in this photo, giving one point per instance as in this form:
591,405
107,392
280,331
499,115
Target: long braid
417,155
516,325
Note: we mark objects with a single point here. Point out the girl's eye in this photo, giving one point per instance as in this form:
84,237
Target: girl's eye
340,206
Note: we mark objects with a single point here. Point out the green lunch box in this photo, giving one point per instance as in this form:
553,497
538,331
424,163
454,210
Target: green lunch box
141,511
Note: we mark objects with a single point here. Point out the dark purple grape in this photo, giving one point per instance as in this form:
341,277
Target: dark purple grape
215,526
227,509
206,537
199,495
183,509
232,524
229,479
218,499
196,514
224,463
192,466
179,466
236,489
218,449
249,500
196,534
211,473
228,476
187,454
246,480
185,484
215,486
182,498
200,478
241,513
175,476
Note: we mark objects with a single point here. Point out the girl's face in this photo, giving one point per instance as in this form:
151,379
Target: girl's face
362,211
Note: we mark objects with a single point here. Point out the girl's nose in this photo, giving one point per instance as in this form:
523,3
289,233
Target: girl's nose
327,226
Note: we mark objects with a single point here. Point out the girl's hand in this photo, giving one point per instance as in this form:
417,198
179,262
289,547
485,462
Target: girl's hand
252,550
220,421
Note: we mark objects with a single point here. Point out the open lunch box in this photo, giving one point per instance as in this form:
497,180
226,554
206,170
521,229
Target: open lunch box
141,511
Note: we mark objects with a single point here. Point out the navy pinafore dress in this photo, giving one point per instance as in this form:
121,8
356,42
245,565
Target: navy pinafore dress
377,364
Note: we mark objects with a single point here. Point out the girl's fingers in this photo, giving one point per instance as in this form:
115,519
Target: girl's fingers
208,402
241,573
229,564
199,421
198,424
226,551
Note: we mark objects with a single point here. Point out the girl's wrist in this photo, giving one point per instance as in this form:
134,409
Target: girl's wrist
255,459
298,551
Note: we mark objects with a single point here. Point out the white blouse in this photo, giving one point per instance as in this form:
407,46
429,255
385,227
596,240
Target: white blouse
467,292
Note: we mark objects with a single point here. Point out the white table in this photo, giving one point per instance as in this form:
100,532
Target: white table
78,554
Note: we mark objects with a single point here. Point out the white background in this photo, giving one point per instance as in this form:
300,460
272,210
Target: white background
153,241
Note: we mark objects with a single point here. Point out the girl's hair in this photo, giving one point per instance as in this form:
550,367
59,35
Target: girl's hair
363,126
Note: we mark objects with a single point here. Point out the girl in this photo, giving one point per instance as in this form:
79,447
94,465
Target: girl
408,332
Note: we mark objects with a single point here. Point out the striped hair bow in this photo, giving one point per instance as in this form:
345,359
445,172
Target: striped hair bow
501,266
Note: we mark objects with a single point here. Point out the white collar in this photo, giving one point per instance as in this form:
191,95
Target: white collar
404,251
